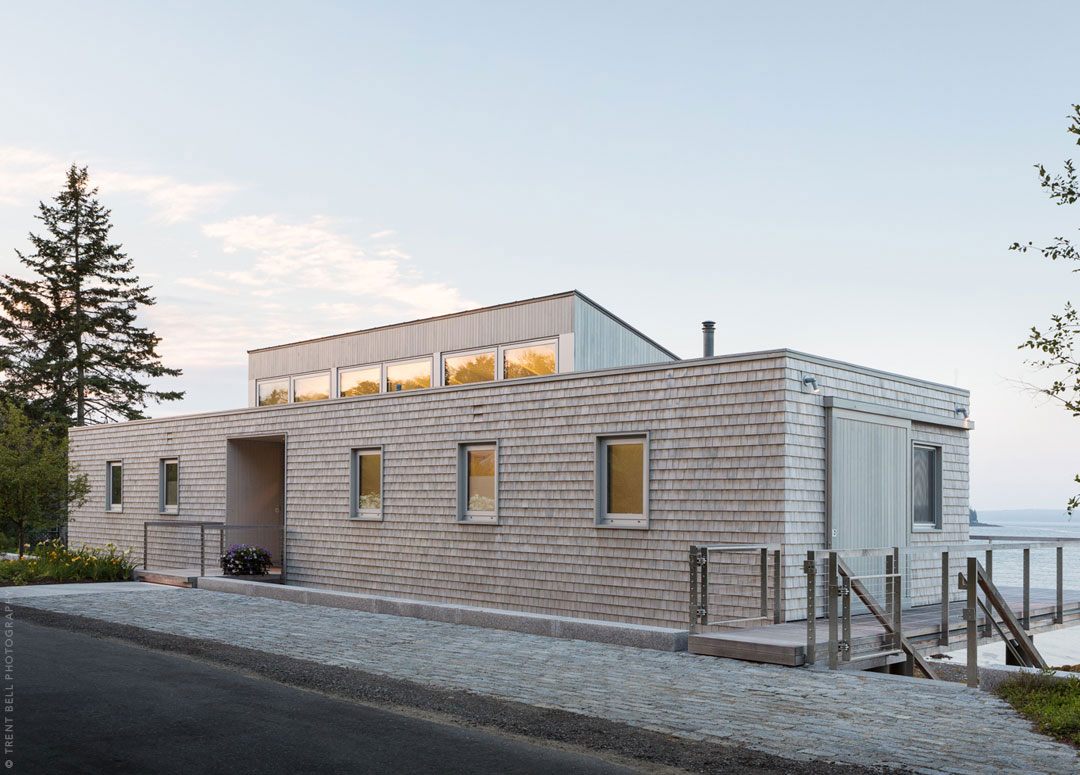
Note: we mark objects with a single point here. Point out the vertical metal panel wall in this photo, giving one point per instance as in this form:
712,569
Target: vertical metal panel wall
601,341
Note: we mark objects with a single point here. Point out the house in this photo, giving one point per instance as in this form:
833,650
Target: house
541,456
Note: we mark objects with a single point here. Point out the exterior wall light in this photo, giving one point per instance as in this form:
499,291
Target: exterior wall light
963,411
811,382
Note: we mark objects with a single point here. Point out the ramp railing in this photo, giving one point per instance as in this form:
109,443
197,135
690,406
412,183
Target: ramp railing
744,587
181,545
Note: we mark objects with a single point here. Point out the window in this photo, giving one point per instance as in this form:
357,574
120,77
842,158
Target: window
622,481
408,376
273,391
478,483
529,361
926,487
169,485
315,387
471,367
367,484
359,382
114,486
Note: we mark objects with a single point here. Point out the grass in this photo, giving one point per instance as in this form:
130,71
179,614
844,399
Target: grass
1053,704
55,563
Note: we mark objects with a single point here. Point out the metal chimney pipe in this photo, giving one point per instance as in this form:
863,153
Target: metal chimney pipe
708,329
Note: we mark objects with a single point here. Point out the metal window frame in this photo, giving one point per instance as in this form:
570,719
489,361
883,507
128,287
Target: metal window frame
116,508
603,518
502,348
379,367
163,507
287,379
305,375
355,512
937,497
404,362
464,515
493,349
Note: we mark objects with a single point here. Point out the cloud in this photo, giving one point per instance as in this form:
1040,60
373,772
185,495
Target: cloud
384,234
28,176
202,285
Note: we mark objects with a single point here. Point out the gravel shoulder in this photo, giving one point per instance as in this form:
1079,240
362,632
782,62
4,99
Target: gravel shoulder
641,749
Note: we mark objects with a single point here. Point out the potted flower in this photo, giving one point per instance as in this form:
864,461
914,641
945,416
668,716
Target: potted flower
245,560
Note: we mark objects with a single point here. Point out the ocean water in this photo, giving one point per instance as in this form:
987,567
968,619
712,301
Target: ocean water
1061,647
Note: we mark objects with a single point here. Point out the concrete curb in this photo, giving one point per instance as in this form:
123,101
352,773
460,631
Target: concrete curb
992,676
657,638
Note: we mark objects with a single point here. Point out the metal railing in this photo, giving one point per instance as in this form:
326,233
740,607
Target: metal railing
700,562
184,550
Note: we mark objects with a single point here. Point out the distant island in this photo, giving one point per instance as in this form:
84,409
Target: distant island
973,520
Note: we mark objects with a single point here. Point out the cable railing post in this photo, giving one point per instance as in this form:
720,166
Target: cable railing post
763,581
703,598
1027,588
898,605
988,624
810,568
889,570
834,592
943,639
847,618
693,588
145,546
1059,616
778,581
202,550
971,616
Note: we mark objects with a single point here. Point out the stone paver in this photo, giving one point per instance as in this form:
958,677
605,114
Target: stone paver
856,718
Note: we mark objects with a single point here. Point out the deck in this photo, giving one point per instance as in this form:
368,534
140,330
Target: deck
785,644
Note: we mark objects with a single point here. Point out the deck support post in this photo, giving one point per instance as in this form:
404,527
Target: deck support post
834,629
810,568
943,639
1027,589
971,615
778,581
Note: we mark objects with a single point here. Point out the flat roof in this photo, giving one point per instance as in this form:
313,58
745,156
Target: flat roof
549,297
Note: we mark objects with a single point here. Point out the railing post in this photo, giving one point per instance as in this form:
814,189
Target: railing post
971,615
810,568
898,607
847,618
889,597
1059,616
988,628
834,592
763,581
778,581
693,588
145,546
943,639
202,550
703,599
1027,588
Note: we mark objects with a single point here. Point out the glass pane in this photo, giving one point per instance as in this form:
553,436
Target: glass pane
116,472
924,486
625,478
171,477
530,361
276,392
481,466
370,494
361,382
408,376
313,388
463,369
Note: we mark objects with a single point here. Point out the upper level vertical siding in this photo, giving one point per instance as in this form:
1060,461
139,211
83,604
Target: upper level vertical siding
601,342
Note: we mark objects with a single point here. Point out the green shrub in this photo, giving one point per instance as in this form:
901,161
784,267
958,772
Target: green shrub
53,561
1053,704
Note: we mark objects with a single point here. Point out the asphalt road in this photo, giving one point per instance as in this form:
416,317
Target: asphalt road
86,705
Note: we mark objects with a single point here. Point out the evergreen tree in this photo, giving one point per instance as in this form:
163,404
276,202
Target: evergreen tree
72,352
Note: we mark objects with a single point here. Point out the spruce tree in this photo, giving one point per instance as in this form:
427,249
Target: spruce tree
72,352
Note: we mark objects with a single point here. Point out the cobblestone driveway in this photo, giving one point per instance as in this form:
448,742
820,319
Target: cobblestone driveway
843,717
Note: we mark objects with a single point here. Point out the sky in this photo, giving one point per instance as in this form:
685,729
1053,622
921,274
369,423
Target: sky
842,179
